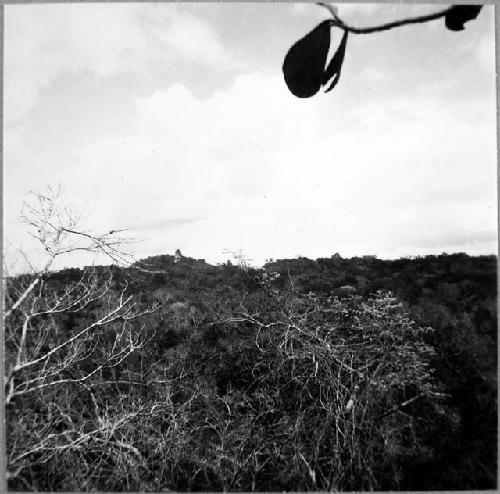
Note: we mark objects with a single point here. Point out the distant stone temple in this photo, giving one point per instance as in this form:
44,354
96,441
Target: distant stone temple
178,256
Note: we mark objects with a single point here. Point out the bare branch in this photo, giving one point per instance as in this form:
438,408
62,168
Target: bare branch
106,319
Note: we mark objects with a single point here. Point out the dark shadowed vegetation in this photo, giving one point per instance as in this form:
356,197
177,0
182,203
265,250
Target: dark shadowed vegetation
344,374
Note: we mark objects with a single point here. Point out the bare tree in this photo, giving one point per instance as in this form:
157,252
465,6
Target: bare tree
356,366
62,335
55,226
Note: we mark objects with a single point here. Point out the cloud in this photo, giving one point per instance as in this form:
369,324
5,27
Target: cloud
190,37
363,9
388,163
486,47
100,39
162,224
299,9
254,163
43,42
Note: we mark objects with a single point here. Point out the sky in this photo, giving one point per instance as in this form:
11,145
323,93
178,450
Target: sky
173,121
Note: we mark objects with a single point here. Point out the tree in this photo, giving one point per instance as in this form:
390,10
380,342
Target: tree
64,338
334,394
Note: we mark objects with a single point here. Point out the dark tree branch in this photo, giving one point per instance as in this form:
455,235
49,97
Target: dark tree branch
337,21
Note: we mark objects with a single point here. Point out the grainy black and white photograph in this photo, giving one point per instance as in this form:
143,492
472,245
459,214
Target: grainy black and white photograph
249,247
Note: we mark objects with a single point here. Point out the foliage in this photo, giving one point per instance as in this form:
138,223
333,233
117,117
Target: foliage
455,294
338,393
305,68
303,375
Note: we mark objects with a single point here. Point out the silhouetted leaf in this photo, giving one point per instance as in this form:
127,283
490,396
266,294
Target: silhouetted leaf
335,66
304,64
459,15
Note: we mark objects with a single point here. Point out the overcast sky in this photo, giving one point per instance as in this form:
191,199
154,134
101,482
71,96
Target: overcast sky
173,121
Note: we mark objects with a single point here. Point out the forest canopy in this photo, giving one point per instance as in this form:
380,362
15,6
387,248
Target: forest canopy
345,374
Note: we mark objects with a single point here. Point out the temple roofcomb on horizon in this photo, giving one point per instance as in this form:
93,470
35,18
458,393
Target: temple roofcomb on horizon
178,255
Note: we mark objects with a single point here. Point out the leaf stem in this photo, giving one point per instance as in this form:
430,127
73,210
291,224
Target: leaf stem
337,21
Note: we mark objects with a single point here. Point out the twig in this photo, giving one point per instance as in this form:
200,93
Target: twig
337,21
31,287
111,316
399,406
